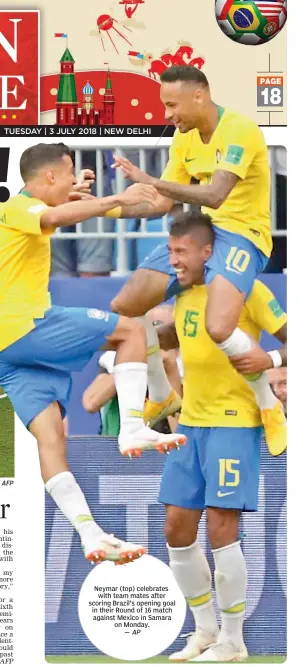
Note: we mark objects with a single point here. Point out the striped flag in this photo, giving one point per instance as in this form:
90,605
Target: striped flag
60,34
270,8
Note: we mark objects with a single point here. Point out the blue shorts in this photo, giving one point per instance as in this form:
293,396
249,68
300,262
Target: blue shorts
217,467
234,257
36,370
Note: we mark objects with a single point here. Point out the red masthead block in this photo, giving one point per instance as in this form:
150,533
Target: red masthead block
19,67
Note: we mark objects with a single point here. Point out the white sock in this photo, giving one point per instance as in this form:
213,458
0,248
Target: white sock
266,399
131,385
192,573
239,343
230,584
70,499
159,387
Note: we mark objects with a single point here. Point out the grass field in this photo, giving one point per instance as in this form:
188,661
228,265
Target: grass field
6,437
159,659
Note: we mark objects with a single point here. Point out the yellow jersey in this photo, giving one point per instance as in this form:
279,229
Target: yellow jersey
237,145
24,267
214,393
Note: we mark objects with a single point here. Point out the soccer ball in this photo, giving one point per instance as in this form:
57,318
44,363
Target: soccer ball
251,21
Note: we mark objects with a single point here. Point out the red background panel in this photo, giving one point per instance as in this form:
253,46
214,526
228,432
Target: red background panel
127,86
27,66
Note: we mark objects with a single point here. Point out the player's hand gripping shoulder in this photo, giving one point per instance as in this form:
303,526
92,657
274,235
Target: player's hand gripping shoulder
257,360
254,361
131,171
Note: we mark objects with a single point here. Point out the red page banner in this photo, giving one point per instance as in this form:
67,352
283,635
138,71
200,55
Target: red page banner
19,67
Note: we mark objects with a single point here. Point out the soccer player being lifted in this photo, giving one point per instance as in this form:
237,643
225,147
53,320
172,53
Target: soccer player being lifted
40,344
227,154
218,469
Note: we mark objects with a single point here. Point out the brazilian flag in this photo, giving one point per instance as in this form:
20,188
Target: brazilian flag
246,17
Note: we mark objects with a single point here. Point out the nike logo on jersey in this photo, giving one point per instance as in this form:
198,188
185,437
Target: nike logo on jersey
221,494
189,159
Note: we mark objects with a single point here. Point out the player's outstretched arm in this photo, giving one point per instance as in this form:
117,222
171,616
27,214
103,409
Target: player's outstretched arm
162,204
168,336
77,211
212,195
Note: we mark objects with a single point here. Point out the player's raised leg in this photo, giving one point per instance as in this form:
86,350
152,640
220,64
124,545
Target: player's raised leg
130,373
230,273
151,284
64,341
60,483
144,290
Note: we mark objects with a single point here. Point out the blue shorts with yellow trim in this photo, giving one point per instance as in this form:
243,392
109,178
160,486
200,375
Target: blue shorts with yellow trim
234,257
36,370
217,467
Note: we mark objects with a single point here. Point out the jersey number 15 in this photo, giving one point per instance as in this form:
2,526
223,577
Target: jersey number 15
190,324
229,473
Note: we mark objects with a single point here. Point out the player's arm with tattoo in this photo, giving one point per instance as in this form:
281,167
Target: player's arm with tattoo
212,195
161,206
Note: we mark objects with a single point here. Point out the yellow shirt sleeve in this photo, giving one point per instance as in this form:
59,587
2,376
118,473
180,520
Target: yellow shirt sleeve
24,213
175,170
244,142
264,309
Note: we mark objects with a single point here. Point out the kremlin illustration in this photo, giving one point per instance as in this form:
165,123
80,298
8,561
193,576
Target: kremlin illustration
68,108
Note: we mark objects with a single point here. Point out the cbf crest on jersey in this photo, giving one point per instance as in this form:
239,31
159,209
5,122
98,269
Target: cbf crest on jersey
251,21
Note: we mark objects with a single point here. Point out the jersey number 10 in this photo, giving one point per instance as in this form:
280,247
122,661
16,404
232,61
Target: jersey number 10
237,260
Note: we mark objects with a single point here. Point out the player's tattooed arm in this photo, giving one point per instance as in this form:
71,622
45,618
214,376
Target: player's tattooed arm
212,195
161,206
168,337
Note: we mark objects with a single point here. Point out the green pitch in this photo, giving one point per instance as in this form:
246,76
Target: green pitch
97,659
6,437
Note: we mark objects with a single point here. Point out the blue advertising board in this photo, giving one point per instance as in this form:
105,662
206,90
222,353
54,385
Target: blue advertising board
122,495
